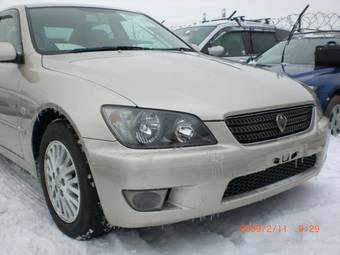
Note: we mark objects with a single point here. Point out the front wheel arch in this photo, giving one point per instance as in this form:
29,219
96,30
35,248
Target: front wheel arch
45,116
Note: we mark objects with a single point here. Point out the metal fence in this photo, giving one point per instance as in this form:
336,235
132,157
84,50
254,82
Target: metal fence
319,21
310,21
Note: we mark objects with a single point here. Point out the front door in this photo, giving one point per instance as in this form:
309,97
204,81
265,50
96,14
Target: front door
9,84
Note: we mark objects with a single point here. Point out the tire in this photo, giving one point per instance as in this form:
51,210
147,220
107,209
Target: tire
333,113
88,221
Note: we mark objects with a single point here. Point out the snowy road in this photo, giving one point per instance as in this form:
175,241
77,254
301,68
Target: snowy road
27,228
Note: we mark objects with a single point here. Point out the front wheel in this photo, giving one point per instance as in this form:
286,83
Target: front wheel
68,186
333,113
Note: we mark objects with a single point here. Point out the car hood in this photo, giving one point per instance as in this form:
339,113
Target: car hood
187,82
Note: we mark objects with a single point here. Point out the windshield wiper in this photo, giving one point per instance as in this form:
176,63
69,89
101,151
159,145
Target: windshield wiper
178,49
118,48
297,25
115,48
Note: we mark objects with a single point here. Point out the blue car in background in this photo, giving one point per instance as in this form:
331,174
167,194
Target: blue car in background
297,60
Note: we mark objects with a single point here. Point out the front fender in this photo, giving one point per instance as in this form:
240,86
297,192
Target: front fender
79,101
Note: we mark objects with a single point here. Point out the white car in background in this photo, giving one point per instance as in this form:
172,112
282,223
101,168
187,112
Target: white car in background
126,125
234,40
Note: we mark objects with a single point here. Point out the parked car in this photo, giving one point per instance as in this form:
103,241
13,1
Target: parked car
113,113
232,40
298,63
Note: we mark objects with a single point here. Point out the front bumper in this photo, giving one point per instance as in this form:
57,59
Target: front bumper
197,177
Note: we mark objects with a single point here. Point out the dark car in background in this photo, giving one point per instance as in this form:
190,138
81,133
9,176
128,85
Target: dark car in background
297,60
233,40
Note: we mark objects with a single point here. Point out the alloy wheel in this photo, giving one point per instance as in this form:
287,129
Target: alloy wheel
62,181
335,120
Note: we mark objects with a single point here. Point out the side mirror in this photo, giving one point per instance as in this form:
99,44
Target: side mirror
7,52
217,51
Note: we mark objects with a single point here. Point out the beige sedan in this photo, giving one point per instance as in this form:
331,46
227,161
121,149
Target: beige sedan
126,125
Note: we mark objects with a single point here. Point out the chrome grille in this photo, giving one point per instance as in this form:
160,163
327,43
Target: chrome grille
272,175
262,126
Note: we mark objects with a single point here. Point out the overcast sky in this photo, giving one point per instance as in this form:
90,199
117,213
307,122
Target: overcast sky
183,12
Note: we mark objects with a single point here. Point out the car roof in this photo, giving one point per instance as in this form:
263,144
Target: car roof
317,34
229,23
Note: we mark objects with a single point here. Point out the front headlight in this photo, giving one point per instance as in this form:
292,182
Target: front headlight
145,128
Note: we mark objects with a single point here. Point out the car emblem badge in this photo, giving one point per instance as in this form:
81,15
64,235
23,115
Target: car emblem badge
281,122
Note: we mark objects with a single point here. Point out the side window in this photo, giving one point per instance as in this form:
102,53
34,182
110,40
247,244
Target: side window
232,43
282,35
263,41
10,29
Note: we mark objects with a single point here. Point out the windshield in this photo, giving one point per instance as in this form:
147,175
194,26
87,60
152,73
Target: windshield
194,35
79,29
272,56
298,51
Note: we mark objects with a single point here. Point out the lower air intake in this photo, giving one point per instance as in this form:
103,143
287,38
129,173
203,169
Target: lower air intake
267,177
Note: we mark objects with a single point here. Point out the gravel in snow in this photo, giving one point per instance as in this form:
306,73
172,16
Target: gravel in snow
27,228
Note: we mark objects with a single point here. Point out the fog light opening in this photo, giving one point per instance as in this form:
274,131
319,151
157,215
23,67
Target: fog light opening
146,200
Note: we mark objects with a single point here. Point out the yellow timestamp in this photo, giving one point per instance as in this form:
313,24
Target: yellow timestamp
257,228
278,228
308,229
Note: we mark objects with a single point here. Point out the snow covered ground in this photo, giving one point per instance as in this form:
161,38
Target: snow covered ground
27,228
